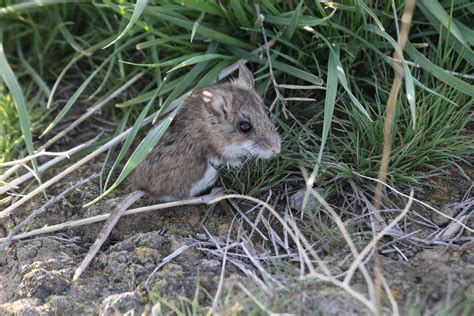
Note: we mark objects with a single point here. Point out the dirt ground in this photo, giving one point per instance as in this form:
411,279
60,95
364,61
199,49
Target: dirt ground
36,274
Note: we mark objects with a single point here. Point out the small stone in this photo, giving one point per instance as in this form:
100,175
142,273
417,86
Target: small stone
201,236
448,210
121,303
296,200
453,228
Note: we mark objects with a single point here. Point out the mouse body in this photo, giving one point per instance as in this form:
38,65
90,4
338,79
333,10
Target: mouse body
220,125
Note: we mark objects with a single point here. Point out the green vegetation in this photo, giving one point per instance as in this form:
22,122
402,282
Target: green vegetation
58,58
60,51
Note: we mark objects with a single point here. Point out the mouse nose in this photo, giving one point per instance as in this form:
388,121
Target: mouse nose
274,145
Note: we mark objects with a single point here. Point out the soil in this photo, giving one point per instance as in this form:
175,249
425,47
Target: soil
36,273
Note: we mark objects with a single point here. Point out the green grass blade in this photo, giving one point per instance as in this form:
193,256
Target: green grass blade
143,149
442,16
170,16
31,5
372,14
15,90
166,63
343,80
199,59
34,75
167,86
439,72
67,35
139,7
240,13
120,128
196,25
189,78
213,74
204,31
74,98
302,20
69,65
293,21
329,103
296,72
463,50
203,6
409,83
467,32
421,85
129,140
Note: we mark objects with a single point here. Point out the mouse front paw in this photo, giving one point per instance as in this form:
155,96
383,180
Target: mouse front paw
234,163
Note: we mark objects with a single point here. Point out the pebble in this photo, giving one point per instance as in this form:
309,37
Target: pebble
447,209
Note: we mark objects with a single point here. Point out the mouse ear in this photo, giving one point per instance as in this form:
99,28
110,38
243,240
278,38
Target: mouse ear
245,79
216,103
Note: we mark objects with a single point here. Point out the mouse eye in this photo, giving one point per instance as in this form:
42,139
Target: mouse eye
245,126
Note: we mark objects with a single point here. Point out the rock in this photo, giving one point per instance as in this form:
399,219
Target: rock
123,303
41,283
447,209
296,200
453,228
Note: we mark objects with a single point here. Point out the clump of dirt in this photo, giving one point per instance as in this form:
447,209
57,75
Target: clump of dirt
37,276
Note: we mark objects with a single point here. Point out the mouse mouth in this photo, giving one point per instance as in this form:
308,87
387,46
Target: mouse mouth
248,149
260,150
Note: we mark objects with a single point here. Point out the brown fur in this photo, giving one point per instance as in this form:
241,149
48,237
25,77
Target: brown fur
204,125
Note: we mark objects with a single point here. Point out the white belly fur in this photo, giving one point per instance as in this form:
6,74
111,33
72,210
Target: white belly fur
206,181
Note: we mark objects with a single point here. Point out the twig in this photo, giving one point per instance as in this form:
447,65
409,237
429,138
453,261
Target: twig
355,264
259,217
103,217
454,73
294,231
416,200
392,105
300,99
82,118
165,260
270,66
6,241
31,157
217,296
18,181
67,171
387,145
106,229
299,87
347,238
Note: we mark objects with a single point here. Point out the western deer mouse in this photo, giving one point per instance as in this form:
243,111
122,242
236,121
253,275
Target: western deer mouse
220,125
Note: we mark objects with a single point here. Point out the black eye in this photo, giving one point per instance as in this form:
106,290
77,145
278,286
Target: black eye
245,126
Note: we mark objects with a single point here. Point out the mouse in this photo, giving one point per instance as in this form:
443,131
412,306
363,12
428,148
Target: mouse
219,126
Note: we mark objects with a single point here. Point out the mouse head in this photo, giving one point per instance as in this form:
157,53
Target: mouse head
239,120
